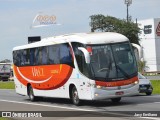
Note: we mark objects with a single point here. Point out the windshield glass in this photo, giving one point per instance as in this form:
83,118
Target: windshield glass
112,61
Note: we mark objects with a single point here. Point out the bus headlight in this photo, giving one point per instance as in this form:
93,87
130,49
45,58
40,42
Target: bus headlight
136,82
98,86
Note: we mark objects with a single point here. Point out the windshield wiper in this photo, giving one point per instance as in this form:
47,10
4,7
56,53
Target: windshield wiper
122,71
92,69
108,71
109,66
117,66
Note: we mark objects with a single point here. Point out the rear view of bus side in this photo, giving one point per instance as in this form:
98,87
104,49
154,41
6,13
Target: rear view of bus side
95,66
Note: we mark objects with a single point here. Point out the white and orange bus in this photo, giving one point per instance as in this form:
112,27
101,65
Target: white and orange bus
82,66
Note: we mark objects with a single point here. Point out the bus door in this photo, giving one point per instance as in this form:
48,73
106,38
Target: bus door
82,74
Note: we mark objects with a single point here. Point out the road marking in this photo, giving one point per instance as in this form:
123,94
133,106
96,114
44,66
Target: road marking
44,105
156,102
148,103
153,118
148,96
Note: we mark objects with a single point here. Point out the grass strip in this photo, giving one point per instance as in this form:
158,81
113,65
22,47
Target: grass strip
156,86
7,85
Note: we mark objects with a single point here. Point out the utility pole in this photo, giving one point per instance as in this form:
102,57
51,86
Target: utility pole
128,3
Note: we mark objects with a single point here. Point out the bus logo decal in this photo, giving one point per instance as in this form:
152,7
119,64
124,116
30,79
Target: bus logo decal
37,72
32,81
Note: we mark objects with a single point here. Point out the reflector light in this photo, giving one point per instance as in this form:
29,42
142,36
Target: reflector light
89,49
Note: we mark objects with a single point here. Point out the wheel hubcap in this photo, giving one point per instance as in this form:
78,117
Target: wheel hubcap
75,97
31,94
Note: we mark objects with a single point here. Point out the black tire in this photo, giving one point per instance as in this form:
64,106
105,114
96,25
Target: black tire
148,93
75,98
31,94
116,100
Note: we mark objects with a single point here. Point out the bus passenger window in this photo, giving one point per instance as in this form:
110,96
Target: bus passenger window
53,54
24,59
27,57
44,55
65,55
32,59
38,56
16,58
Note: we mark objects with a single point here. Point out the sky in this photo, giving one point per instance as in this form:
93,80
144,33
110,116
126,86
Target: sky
16,17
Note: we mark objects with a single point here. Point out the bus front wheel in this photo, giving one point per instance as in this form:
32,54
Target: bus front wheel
75,97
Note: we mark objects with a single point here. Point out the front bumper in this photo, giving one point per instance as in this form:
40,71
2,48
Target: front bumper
101,94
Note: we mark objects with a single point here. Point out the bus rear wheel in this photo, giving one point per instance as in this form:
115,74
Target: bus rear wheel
31,93
116,100
75,97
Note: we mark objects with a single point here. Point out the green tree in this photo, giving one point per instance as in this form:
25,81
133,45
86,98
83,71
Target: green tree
111,24
5,61
142,66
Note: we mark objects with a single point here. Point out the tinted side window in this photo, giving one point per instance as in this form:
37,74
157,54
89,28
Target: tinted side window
16,58
38,56
27,55
44,55
60,54
54,54
32,57
65,54
21,57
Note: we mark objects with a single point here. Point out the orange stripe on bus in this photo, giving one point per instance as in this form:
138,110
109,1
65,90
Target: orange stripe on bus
117,83
44,77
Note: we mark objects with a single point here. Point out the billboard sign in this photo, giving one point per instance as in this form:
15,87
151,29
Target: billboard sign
42,20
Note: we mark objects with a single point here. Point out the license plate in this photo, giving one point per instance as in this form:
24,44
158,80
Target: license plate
143,88
119,93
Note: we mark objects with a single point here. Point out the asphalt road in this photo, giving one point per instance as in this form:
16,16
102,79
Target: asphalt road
127,109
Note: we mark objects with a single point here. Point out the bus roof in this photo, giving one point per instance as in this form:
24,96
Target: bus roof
85,38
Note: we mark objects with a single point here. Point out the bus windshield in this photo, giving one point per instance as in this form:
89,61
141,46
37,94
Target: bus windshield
112,62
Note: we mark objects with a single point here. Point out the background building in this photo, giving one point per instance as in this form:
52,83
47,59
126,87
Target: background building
150,43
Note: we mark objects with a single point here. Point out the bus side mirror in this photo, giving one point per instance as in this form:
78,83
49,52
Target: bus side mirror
86,54
139,50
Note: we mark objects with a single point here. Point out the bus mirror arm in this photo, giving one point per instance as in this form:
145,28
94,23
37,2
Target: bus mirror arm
86,54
